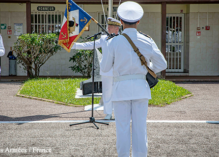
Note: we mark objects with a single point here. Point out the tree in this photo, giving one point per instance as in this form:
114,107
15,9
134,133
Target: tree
33,50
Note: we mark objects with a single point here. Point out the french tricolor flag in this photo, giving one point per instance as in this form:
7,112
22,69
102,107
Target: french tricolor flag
74,23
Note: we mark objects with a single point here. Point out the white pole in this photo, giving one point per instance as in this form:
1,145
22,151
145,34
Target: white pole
110,8
207,18
0,25
198,15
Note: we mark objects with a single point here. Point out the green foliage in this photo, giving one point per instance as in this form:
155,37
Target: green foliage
64,90
166,92
33,50
82,60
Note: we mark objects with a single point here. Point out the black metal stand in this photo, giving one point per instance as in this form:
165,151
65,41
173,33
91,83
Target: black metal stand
92,119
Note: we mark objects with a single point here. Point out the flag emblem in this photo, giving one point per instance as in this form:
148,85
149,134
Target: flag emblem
74,23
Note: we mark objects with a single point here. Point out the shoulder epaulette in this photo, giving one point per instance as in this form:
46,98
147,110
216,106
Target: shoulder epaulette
145,34
109,37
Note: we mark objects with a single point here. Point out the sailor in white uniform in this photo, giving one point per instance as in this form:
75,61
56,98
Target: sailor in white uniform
107,77
2,48
131,91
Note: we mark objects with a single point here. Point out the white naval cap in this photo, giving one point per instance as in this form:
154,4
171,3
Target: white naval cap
130,11
112,21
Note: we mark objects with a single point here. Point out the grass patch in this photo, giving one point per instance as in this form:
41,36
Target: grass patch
166,92
64,90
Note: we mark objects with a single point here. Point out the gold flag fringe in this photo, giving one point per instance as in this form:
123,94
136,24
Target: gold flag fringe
69,49
60,42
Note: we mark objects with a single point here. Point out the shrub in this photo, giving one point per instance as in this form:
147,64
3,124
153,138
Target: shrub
82,61
33,50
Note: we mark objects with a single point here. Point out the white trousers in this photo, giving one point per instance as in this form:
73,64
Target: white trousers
137,111
107,85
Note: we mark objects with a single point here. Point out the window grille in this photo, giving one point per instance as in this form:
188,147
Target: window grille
46,22
175,42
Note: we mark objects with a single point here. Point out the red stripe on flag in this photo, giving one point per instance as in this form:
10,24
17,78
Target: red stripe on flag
64,32
71,39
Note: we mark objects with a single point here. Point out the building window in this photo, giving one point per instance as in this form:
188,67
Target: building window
46,22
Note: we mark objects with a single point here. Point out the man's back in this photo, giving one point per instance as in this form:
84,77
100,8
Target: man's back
131,91
126,62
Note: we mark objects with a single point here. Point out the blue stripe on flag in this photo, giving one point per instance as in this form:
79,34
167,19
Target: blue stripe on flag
82,14
65,12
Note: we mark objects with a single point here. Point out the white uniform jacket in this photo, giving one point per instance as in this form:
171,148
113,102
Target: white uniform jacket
121,56
2,48
102,42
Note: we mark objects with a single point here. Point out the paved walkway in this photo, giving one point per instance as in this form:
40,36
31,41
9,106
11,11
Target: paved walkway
58,139
204,105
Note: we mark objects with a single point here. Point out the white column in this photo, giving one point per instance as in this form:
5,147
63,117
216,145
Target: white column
110,8
0,25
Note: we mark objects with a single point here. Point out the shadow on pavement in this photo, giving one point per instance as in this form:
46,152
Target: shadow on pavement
39,117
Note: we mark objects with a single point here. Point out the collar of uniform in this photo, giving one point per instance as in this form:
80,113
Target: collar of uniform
129,30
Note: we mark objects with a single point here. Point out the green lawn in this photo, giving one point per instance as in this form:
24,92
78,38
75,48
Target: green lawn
63,90
166,92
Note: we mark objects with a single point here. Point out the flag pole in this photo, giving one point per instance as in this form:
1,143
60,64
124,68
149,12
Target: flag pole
100,26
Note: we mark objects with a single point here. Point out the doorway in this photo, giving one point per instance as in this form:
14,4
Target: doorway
175,42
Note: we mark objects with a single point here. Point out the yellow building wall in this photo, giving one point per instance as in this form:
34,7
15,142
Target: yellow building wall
204,8
11,13
12,6
204,49
150,24
98,8
58,64
176,8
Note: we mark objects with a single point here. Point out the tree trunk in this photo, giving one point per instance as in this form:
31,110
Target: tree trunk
88,73
29,68
36,70
30,72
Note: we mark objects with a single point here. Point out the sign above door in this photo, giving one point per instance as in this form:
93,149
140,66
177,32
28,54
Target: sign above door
45,8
